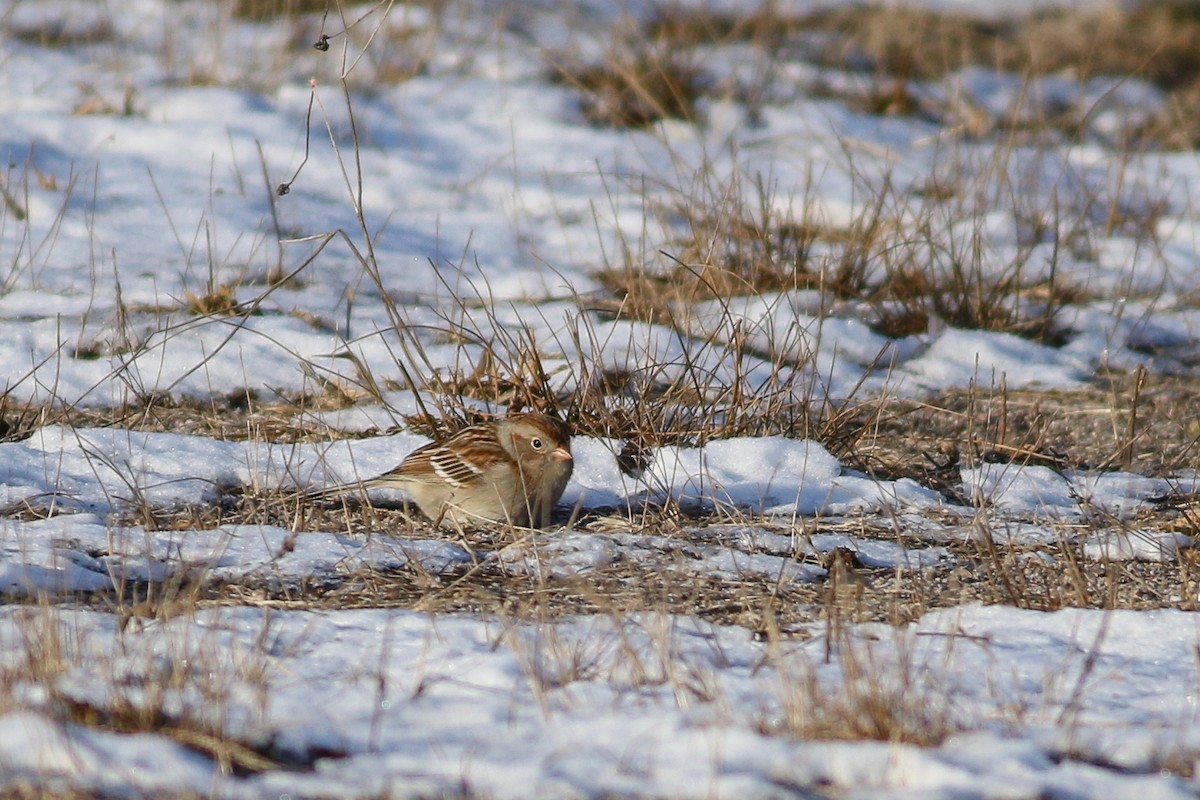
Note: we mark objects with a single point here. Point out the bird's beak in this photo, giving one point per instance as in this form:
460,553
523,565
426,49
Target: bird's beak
562,453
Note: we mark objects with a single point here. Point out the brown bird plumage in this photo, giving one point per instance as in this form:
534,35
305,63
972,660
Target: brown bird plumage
511,470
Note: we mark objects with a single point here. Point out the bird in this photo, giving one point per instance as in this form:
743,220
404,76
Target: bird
511,470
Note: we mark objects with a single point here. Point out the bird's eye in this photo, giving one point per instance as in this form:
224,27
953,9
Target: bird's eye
536,443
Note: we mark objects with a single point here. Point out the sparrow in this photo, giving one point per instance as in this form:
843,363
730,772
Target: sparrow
511,470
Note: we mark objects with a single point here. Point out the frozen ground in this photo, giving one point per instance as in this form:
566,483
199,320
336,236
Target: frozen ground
484,188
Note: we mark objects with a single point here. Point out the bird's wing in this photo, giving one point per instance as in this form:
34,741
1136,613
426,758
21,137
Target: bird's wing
435,463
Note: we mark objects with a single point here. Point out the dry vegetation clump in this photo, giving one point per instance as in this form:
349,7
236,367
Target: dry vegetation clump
62,30
255,10
1139,423
891,266
240,415
892,702
185,702
1052,577
1155,41
509,572
901,263
26,789
218,300
231,755
733,243
896,46
635,85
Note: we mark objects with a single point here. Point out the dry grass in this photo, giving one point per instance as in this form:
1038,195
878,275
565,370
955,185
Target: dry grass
896,46
1098,427
906,260
869,699
889,702
185,702
652,70
25,789
62,30
1142,424
635,88
927,441
892,265
640,79
981,565
268,9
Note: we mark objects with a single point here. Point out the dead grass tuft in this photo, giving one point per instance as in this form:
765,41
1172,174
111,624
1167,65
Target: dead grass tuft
898,47
1116,423
904,42
901,263
63,31
636,84
231,756
1156,41
19,420
889,703
183,698
1153,40
636,92
217,300
273,9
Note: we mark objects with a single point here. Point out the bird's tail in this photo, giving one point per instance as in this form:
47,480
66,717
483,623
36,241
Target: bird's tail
337,490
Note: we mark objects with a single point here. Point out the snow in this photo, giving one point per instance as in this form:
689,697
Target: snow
959,357
648,704
490,206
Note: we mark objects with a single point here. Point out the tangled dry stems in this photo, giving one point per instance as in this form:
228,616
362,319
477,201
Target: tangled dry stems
731,244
